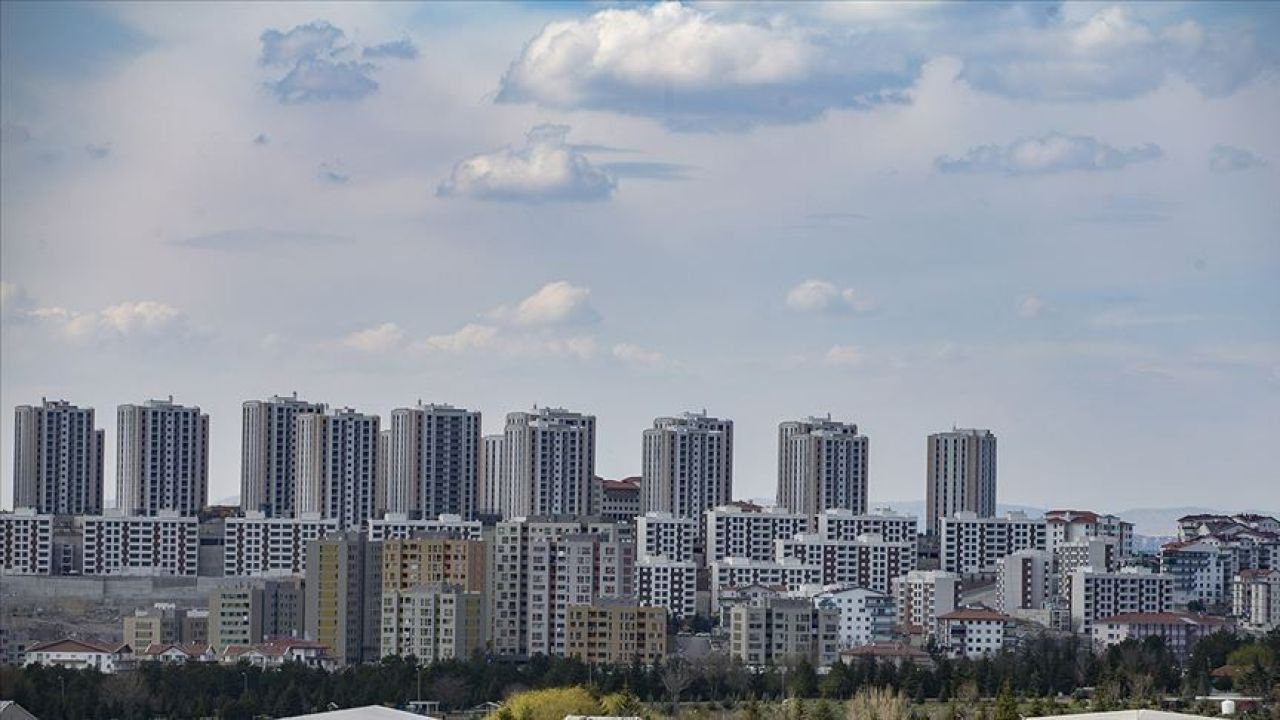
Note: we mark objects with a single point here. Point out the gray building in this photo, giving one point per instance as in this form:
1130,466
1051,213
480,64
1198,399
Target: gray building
162,459
961,475
782,631
57,459
269,449
687,465
487,495
822,464
434,461
338,466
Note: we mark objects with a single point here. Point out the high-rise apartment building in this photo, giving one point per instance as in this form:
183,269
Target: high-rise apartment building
343,591
269,448
26,542
163,458
687,465
487,495
776,631
434,461
337,466
57,459
548,463
961,475
822,464
921,596
410,562
543,565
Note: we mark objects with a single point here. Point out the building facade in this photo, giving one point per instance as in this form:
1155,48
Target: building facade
921,597
548,463
338,467
433,622
866,616
436,456
615,632
26,542
162,461
777,631
343,596
687,465
972,545
961,475
162,544
57,459
268,451
260,546
738,532
1096,595
822,464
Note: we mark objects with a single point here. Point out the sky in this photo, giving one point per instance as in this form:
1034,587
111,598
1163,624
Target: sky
1056,221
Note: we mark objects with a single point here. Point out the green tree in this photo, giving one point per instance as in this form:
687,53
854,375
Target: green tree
1007,704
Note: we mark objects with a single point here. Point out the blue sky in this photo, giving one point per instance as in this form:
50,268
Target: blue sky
1056,221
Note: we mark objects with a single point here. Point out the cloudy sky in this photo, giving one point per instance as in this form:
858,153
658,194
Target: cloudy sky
1055,221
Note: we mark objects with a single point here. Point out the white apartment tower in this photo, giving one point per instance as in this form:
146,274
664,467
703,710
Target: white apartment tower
57,459
434,461
548,463
337,466
687,465
268,451
961,475
822,464
162,459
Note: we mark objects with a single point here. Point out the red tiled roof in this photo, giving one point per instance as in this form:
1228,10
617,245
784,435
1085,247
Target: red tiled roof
77,645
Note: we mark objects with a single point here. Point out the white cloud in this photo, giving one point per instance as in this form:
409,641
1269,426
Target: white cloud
847,355
546,169
636,355
1053,153
1030,306
377,339
314,54
696,69
471,336
1113,53
1225,158
143,318
820,296
556,303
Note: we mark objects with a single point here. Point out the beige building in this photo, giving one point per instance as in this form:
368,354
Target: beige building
433,622
961,475
776,631
408,562
162,623
254,613
1255,599
615,632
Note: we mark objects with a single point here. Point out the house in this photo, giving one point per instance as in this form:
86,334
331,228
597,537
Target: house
177,653
1180,631
973,632
80,655
896,653
278,652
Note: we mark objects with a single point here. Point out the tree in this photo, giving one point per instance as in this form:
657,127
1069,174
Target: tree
620,704
878,704
676,678
1007,704
822,710
550,704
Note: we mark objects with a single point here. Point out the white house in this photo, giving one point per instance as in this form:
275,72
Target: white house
79,655
973,632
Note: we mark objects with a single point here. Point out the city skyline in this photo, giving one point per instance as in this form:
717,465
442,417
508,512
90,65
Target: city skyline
906,233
